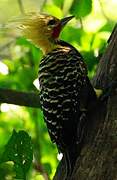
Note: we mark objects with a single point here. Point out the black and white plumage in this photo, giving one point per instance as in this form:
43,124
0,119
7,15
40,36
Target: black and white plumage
65,87
62,74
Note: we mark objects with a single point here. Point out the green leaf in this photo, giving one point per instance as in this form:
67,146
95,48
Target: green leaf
47,167
19,150
58,3
53,10
81,8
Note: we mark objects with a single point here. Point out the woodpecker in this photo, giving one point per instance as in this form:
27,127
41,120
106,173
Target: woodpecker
64,84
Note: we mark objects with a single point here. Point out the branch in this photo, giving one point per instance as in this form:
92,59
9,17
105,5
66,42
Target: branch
21,7
19,98
42,6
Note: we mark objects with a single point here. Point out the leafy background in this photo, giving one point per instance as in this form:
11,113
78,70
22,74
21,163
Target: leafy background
19,61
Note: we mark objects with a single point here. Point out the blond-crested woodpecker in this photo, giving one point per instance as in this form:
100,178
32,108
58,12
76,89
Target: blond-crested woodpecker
65,87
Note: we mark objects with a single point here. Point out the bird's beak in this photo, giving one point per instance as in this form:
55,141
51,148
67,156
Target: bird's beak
65,20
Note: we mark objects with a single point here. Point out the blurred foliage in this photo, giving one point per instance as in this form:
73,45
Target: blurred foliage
20,151
81,8
19,61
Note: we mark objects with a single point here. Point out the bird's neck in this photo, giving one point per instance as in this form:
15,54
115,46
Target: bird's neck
48,45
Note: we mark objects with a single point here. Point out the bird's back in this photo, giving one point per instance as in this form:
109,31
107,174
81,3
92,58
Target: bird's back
62,74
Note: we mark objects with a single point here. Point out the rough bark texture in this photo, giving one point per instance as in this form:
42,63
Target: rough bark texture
98,158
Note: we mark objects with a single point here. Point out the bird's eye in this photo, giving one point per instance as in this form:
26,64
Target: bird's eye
51,22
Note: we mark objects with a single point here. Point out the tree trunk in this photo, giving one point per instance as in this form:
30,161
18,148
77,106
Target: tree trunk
98,157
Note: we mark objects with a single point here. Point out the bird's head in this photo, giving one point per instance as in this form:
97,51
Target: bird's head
43,30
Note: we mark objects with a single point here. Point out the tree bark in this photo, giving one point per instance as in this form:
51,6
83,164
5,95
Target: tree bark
98,157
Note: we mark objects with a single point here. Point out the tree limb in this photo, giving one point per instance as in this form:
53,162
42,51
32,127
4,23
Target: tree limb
21,7
19,98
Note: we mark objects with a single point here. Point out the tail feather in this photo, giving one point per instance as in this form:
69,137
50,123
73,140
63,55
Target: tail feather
73,151
70,156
